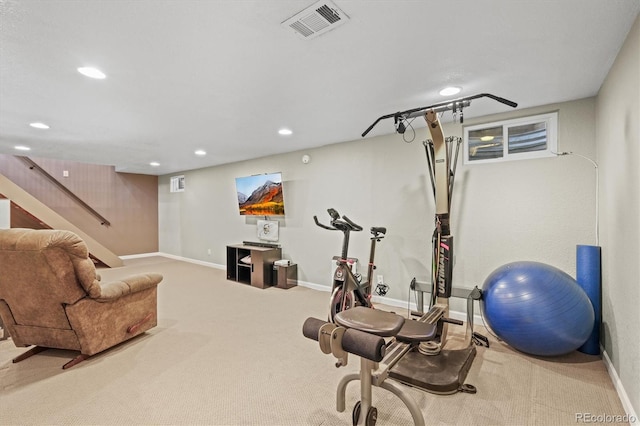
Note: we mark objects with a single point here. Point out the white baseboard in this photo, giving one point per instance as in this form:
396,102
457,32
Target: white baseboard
136,256
622,393
197,262
173,256
314,286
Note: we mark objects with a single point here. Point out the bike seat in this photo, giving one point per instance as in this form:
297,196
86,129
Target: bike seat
375,230
373,321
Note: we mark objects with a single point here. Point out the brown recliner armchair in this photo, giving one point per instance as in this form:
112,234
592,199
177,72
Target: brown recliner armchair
51,296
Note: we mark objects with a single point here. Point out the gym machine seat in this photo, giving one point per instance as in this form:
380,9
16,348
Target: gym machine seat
372,321
361,331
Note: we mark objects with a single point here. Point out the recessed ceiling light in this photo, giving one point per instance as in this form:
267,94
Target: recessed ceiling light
22,148
39,125
92,72
285,132
201,152
154,164
486,138
448,91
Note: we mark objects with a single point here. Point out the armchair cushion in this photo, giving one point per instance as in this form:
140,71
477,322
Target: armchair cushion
132,284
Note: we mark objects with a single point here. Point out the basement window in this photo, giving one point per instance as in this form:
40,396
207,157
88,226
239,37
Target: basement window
517,139
177,184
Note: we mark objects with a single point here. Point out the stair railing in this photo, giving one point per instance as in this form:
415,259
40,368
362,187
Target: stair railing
34,166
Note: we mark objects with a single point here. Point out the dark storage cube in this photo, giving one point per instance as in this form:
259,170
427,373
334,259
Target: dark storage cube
285,276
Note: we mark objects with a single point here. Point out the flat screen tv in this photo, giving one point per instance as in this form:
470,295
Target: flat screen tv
260,195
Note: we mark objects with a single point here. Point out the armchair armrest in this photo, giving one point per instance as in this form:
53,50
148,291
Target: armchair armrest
115,289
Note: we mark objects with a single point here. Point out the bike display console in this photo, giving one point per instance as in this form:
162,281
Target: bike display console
252,264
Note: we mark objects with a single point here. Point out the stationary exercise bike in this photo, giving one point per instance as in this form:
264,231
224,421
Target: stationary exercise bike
347,289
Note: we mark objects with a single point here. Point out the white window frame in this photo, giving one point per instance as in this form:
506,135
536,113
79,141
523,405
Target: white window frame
177,184
551,122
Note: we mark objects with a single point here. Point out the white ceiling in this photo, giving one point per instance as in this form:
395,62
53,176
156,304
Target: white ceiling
224,76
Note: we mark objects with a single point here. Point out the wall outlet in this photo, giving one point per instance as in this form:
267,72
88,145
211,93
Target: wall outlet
208,252
380,279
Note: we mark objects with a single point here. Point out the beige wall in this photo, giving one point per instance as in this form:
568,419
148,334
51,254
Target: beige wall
618,147
128,201
524,210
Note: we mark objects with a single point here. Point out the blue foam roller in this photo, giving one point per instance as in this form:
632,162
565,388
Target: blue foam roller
588,276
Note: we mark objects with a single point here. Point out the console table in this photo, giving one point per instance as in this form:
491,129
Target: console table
257,272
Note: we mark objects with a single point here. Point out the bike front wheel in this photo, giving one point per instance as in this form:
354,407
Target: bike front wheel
340,301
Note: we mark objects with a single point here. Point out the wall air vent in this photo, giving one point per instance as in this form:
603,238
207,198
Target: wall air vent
177,184
317,19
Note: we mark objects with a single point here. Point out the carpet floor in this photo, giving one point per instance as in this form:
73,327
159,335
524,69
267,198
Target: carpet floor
225,353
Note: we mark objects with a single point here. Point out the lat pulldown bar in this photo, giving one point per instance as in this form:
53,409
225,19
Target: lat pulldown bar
454,105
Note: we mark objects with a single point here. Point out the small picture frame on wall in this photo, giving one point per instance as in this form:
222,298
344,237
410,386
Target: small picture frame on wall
267,230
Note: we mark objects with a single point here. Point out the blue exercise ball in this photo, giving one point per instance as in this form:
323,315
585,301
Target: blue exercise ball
537,308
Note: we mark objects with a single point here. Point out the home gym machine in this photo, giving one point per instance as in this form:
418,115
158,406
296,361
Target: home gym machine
413,352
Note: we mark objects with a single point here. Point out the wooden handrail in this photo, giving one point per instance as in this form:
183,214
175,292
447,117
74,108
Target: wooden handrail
34,166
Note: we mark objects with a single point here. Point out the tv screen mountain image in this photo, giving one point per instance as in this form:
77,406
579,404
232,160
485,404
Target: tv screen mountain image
260,195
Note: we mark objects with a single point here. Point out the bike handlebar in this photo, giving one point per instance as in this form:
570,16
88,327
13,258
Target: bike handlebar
337,224
355,226
315,218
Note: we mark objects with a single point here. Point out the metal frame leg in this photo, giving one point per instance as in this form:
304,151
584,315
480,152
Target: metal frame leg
342,388
416,413
366,383
366,367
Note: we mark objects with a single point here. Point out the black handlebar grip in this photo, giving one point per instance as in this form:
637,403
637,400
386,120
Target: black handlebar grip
363,344
501,100
315,219
311,328
355,226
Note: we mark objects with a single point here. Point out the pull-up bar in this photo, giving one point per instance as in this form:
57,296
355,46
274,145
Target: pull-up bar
454,105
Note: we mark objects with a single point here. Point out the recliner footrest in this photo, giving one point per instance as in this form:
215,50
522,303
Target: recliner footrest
373,321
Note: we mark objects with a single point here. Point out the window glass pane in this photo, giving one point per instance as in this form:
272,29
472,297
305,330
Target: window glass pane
528,137
485,144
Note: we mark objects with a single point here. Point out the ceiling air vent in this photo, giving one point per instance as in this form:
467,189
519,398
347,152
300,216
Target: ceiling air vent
317,19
